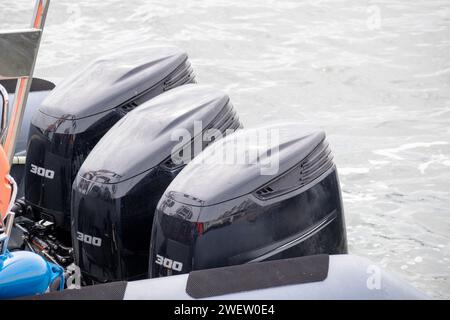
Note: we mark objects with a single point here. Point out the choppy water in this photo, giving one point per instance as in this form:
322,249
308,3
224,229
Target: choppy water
374,74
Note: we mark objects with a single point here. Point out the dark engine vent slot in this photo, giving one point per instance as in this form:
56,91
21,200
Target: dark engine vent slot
319,161
128,107
181,75
264,191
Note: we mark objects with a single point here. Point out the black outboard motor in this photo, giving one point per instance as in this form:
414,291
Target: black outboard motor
39,89
120,183
74,117
258,194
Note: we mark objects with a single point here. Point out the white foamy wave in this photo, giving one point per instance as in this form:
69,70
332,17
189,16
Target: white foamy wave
392,153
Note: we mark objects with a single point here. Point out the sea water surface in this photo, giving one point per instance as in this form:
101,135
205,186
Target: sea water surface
375,75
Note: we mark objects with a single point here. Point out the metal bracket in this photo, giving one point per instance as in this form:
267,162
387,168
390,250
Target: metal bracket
18,53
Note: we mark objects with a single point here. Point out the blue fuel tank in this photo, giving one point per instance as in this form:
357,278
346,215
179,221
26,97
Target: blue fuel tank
24,273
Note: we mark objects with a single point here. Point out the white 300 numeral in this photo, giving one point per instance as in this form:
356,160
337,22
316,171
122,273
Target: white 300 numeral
46,173
168,263
89,239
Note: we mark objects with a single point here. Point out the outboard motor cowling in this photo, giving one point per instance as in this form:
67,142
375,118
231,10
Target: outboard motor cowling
81,109
258,194
120,183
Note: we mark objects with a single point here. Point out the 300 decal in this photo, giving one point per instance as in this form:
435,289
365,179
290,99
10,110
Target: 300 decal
46,173
89,239
168,263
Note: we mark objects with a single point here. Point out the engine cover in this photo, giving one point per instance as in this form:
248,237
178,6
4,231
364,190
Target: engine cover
120,183
279,198
73,118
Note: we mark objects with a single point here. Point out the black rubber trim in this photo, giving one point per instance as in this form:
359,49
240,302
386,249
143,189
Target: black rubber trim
254,276
36,85
107,291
